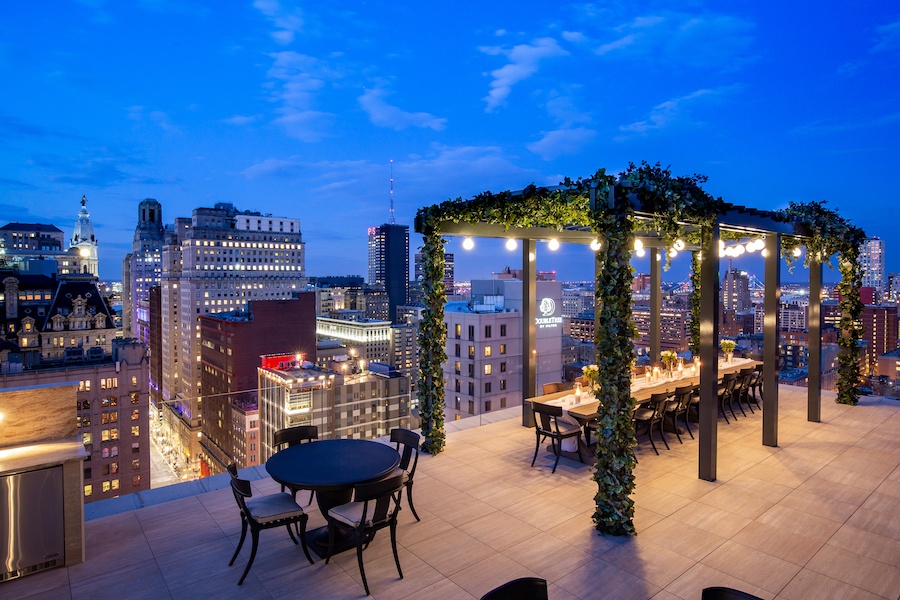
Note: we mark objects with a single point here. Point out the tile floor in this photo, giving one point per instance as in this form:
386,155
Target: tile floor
813,518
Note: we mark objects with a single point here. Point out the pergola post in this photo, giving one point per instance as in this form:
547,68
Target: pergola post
529,329
655,303
709,353
771,327
814,327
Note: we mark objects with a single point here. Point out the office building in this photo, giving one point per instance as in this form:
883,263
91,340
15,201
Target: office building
362,405
217,260
230,346
871,260
736,290
142,269
449,271
880,322
389,264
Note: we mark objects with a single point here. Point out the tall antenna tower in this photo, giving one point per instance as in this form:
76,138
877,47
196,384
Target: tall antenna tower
391,220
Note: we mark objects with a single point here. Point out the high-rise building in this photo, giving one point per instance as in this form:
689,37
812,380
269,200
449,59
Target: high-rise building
389,263
880,322
218,260
230,346
84,242
449,271
871,259
141,270
736,290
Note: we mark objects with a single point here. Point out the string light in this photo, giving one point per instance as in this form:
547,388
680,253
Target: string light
511,244
553,244
468,244
596,245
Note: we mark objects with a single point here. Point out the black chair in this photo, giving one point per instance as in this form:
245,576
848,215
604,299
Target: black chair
374,507
526,588
548,425
679,406
742,389
293,436
756,391
652,414
726,394
725,593
266,512
409,455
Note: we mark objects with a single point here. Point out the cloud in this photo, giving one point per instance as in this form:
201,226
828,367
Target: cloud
562,142
273,167
288,23
13,127
668,112
157,117
842,127
103,172
295,78
889,38
384,115
239,120
524,61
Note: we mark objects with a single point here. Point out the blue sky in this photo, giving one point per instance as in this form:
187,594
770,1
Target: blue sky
297,109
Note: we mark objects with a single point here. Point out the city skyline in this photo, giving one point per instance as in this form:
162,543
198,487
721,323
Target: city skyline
298,111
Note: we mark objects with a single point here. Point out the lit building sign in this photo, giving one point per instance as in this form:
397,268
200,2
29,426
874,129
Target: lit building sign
548,319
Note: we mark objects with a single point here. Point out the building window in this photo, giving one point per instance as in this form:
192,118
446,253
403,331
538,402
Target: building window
87,473
503,367
471,370
114,433
503,330
487,331
135,431
457,350
115,484
487,406
502,402
88,489
113,468
471,388
134,381
114,451
456,367
104,435
135,397
135,448
502,384
136,480
488,369
458,330
136,464
106,486
488,350
458,385
471,407
471,332
135,414
487,387
502,348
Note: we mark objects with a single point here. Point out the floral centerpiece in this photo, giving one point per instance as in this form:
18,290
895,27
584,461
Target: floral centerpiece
728,347
668,357
591,374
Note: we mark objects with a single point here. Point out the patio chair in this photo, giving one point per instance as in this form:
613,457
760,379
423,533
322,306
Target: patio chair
553,387
266,512
681,402
725,593
726,394
526,588
293,436
651,414
374,507
742,389
409,455
548,425
756,391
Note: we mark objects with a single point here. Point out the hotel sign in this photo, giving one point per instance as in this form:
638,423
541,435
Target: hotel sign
548,319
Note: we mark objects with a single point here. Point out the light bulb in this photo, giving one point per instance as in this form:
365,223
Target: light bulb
468,244
511,244
553,244
738,250
640,252
678,245
673,253
596,245
638,244
798,251
764,252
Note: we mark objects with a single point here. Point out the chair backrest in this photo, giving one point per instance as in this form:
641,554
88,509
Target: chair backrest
410,452
232,470
725,593
545,417
381,498
683,396
553,387
746,377
728,381
242,490
658,402
295,435
526,588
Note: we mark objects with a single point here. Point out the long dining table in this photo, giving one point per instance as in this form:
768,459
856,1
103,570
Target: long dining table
584,410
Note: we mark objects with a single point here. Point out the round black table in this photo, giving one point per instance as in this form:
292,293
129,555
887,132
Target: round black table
332,468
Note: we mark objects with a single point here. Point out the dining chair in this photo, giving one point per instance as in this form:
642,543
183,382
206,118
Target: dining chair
756,391
547,424
525,588
409,458
553,387
681,402
742,389
652,414
374,507
266,512
293,436
726,593
726,394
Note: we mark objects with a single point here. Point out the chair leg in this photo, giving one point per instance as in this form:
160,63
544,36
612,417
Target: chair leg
362,569
328,552
722,406
650,435
740,403
312,494
394,546
687,424
675,427
291,533
303,539
409,499
662,433
240,543
537,446
556,462
254,533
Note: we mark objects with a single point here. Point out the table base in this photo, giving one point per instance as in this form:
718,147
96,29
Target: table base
317,540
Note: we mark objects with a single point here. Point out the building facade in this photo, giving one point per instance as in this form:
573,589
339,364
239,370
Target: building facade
389,264
871,259
142,269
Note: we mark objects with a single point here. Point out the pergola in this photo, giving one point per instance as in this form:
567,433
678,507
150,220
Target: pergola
487,216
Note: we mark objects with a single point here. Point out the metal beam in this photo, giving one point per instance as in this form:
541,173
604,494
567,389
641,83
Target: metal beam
529,330
655,302
814,326
771,328
709,355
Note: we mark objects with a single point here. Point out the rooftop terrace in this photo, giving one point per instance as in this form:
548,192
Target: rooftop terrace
813,518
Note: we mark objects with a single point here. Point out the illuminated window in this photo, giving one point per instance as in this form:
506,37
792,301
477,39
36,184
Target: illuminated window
104,435
488,350
136,464
135,414
134,397
115,484
106,486
114,433
502,348
136,480
134,380
114,451
88,489
488,369
135,431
